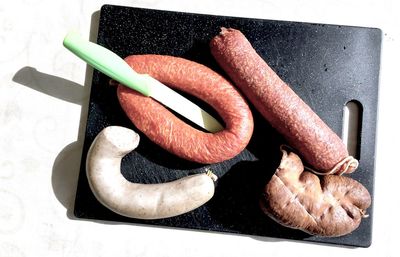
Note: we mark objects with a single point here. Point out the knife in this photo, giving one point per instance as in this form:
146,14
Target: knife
116,68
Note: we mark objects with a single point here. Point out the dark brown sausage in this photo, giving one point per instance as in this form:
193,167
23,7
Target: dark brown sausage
165,129
279,104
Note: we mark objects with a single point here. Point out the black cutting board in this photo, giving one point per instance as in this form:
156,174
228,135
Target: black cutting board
327,65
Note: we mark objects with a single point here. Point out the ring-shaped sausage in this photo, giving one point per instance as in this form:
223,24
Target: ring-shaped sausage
174,135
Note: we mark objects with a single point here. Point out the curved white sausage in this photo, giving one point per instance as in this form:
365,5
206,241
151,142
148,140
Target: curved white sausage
142,201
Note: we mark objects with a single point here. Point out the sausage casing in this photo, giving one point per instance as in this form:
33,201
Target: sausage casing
280,105
174,135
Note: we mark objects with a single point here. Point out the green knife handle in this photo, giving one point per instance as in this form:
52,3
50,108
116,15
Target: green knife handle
107,62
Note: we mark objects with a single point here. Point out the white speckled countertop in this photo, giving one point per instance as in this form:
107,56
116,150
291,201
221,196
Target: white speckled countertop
41,129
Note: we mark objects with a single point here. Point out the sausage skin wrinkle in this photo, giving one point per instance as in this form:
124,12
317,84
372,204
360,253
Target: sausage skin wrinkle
280,105
174,135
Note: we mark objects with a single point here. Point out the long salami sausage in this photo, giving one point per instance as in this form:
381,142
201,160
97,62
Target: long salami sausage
168,131
279,104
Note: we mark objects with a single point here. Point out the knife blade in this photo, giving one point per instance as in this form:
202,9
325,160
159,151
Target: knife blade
116,68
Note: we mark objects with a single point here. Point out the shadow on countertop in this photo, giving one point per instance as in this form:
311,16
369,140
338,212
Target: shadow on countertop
66,167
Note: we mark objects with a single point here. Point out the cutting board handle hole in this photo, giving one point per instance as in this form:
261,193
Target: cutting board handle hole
351,132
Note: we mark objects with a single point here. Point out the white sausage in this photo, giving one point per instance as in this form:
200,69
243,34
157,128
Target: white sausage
142,201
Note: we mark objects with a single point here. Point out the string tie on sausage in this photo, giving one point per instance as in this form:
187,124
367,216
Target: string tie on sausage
211,175
347,165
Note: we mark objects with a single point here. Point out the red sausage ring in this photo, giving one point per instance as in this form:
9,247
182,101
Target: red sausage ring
174,135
